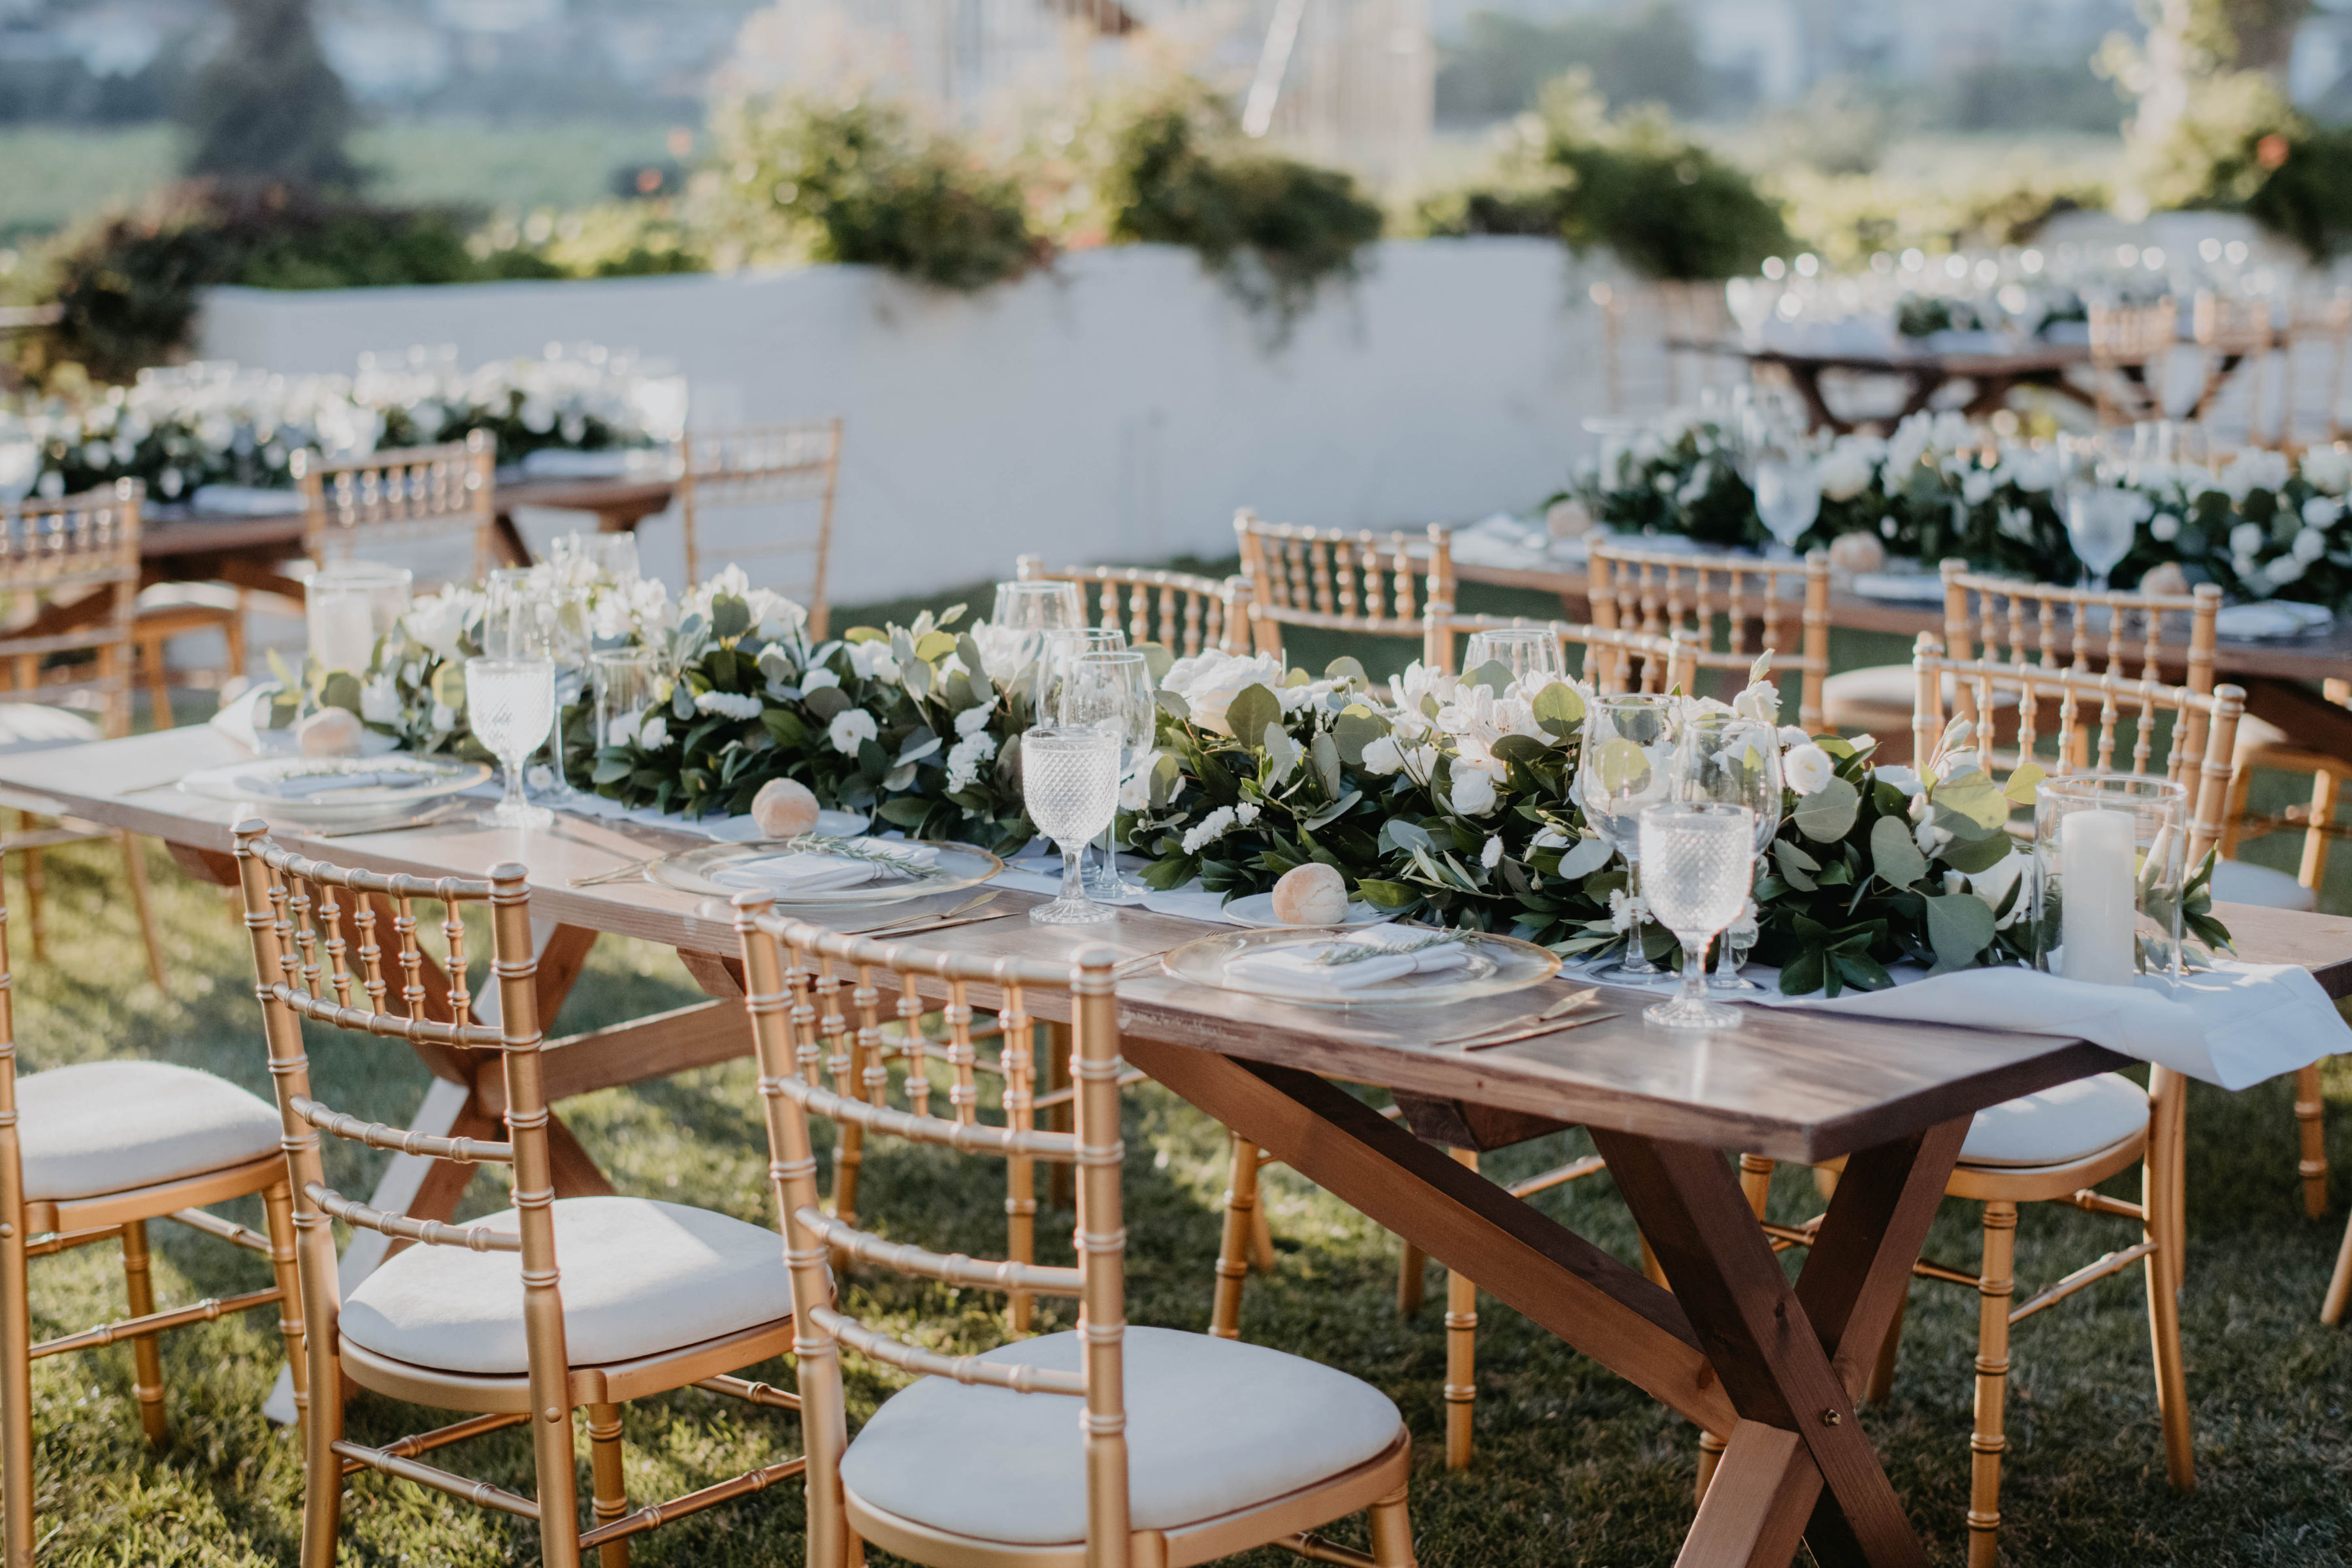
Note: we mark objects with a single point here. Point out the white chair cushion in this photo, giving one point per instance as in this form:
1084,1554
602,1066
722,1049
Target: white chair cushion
2243,882
1888,686
639,1277
2260,735
188,596
1213,1426
30,727
106,1126
2058,1124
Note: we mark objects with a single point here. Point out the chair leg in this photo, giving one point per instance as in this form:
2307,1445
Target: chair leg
1461,1352
2160,1195
322,1468
134,867
1232,1249
159,685
16,1392
2233,810
234,631
2309,1107
1393,1532
278,1206
1412,1265
36,884
1261,1238
146,1358
2312,873
612,1494
2339,1284
1994,1287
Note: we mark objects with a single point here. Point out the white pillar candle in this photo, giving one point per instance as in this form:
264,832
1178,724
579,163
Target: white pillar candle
2098,909
342,629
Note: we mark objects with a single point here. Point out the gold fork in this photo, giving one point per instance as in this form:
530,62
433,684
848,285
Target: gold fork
1568,1004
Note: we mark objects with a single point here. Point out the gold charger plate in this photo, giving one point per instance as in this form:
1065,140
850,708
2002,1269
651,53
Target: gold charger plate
696,871
1496,964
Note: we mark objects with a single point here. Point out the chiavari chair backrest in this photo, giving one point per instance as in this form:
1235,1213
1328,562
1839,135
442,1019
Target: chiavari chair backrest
2103,723
2124,340
399,498
767,471
2048,628
66,550
817,1001
1668,595
1337,580
1610,660
2236,337
1178,610
342,947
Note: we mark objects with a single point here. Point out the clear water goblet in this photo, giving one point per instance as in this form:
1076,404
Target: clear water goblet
613,555
1063,646
1532,655
510,703
1030,610
1111,689
1069,780
1699,858
2101,519
1626,765
627,681
1723,757
1788,487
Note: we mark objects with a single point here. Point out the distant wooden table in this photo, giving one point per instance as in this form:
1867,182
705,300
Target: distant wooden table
1991,376
1774,1368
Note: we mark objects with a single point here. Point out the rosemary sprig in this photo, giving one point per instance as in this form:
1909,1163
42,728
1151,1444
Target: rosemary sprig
1357,951
850,849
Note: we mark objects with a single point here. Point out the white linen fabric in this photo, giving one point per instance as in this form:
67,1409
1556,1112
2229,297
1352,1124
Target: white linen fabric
31,727
815,871
1213,1426
107,1127
639,1277
2270,618
1299,972
2243,882
2058,1125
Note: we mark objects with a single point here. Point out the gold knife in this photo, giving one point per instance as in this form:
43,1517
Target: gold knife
1568,1004
1557,1026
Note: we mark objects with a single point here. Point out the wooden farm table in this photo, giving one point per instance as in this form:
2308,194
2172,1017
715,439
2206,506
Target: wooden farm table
2277,674
1774,1368
1993,375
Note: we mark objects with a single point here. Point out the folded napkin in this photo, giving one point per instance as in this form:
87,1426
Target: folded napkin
306,786
1901,587
2270,618
1191,902
1296,972
815,871
244,500
2233,1025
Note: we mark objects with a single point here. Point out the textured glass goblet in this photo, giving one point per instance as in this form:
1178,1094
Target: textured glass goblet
510,703
1111,689
1723,757
1699,860
1069,780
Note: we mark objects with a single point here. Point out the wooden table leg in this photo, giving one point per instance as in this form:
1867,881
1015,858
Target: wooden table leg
506,541
1793,1359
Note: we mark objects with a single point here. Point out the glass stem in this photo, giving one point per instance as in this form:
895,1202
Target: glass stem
1637,958
514,796
1724,968
1074,881
1694,966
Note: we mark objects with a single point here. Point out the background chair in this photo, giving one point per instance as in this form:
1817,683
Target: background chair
169,610
90,1153
1186,1448
1664,594
763,471
1613,660
2131,348
563,1302
1378,585
1178,610
69,575
407,507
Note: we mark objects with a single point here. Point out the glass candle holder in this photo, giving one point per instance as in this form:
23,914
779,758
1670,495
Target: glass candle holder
351,606
2110,853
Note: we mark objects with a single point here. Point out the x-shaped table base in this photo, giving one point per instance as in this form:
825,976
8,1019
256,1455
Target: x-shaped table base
1773,1368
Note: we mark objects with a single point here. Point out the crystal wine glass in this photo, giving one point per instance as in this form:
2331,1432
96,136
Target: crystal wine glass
1069,780
1699,858
1723,757
2101,519
1788,486
1531,654
1111,689
510,703
1624,765
1062,648
613,555
1032,609
627,680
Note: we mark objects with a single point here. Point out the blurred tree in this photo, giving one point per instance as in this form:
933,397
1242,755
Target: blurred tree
268,106
1498,65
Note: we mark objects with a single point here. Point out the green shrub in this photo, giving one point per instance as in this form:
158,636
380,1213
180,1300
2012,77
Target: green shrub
1175,171
860,181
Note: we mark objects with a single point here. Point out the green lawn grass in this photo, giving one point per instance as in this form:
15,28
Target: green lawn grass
1574,1467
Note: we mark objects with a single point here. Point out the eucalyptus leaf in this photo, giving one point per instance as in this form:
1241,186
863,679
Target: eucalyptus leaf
1970,856
1346,668
1520,749
1827,814
1559,711
1583,858
1327,761
1797,867
729,616
1175,706
1251,710
1355,730
1895,859
1396,833
1494,675
933,646
1960,926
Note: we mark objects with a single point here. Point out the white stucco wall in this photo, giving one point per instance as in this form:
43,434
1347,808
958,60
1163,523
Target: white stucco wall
1117,408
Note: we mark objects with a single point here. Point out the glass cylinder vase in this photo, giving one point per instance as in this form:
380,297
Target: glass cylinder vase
350,607
2110,853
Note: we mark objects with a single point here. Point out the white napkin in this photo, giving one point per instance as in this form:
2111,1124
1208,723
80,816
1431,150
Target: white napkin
1294,970
244,500
1901,587
1190,902
2270,618
2234,1025
307,786
815,871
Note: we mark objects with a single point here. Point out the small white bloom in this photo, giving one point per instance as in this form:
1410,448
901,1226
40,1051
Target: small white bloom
1790,735
817,679
1491,856
380,700
656,733
972,721
440,622
1902,778
873,661
727,703
1626,909
967,756
1548,837
2282,571
538,776
1807,769
622,731
1208,830
1134,794
1930,839
2310,545
1473,792
444,716
849,729
1760,703
1382,756
2247,539
1245,814
2164,527
1845,473
2321,512
1993,883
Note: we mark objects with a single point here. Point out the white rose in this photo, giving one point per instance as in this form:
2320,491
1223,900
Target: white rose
849,729
2310,545
656,733
1383,757
380,700
1845,473
1135,795
2164,527
1473,792
1790,735
2247,539
1902,778
1759,702
439,622
1807,769
2329,469
966,756
622,731
1993,883
1209,682
2320,512
817,679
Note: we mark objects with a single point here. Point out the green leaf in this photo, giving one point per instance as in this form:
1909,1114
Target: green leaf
1559,709
1623,767
1158,659
1795,866
1251,710
611,768
1960,926
1494,674
1970,808
825,702
1355,730
1801,975
1827,814
1970,856
907,811
1346,668
1521,749
1396,833
341,691
934,646
1281,752
1894,858
1175,706
1165,777
2022,783
1327,761
1583,858
1385,895
730,617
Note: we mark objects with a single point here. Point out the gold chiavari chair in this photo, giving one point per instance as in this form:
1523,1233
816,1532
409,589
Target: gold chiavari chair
1333,579
1178,610
69,578
1085,1450
2033,626
1613,660
90,1153
517,1318
1661,594
2130,347
2058,1145
2236,339
399,500
2328,323
763,468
